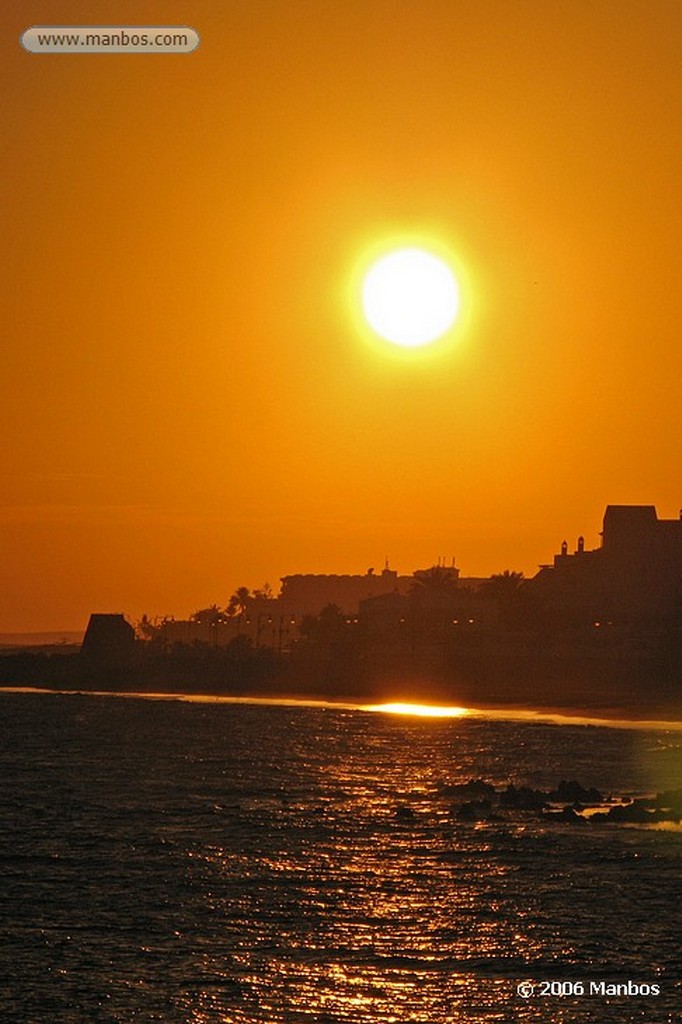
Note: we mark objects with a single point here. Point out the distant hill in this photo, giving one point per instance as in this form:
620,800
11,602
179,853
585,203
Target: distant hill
40,639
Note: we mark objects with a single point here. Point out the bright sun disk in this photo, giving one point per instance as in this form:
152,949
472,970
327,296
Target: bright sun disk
410,297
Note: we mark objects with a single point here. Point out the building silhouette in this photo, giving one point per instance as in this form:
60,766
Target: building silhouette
108,637
309,593
633,580
631,583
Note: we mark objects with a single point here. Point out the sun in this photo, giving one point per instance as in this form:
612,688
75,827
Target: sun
410,297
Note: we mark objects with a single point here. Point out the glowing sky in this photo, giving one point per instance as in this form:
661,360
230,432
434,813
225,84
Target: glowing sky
187,402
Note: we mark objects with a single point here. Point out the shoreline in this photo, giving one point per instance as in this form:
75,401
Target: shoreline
598,716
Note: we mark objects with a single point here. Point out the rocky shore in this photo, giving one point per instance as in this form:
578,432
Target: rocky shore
478,800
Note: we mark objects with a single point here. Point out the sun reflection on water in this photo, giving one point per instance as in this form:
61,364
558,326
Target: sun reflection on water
361,897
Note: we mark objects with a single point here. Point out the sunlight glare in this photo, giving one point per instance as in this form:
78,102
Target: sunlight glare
423,710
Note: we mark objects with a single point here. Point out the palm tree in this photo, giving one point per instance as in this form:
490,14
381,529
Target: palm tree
238,602
502,585
439,579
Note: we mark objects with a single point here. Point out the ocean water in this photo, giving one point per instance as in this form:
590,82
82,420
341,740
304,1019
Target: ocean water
172,861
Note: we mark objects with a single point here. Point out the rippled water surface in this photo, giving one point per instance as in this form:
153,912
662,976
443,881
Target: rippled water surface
187,862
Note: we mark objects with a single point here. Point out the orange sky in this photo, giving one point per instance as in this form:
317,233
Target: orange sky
187,404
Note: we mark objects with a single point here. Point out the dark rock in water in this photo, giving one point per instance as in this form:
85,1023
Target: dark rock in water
635,813
567,814
404,813
474,810
570,792
523,799
474,789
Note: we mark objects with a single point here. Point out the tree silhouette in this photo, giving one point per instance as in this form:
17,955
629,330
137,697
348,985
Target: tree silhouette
439,580
150,629
210,616
238,602
502,585
327,627
504,589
